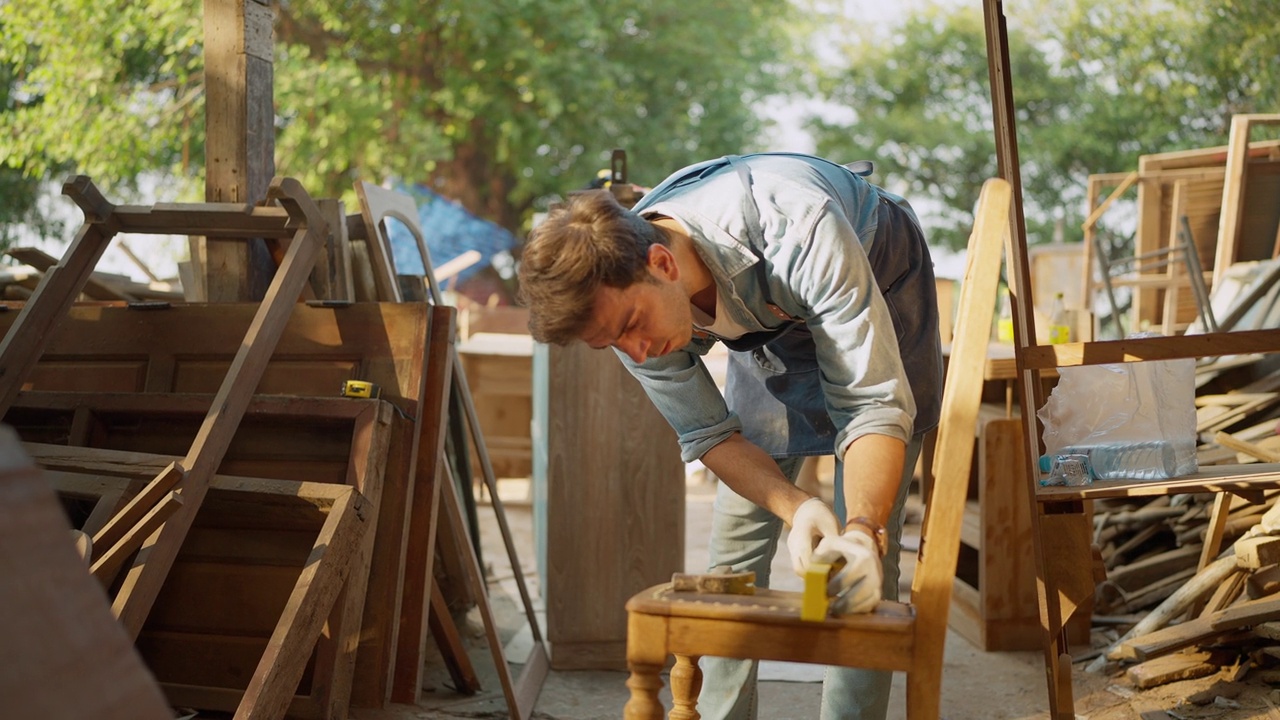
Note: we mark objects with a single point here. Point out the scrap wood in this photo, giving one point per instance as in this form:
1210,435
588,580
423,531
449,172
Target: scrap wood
1219,626
1258,551
1174,606
1226,594
43,261
1263,582
1143,597
1170,668
1254,450
1154,568
1217,421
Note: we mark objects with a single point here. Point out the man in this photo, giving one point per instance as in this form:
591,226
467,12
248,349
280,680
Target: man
822,287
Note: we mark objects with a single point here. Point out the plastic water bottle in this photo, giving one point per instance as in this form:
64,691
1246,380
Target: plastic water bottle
1080,464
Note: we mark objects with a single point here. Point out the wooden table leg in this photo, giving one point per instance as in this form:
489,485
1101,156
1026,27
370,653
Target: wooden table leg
686,683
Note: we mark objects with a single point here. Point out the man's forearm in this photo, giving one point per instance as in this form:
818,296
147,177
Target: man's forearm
872,474
750,472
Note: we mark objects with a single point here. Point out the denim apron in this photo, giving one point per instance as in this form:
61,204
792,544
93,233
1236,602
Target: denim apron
774,374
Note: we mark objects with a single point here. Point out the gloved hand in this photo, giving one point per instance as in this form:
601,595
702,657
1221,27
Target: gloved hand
856,588
812,521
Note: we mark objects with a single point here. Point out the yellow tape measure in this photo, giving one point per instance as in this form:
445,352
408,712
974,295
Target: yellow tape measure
360,389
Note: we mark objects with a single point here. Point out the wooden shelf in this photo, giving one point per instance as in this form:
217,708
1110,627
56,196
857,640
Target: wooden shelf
1046,357
1240,479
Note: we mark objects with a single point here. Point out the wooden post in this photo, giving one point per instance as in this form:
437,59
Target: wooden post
239,143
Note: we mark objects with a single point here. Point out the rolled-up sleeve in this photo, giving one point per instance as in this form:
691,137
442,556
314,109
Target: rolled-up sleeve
682,389
833,287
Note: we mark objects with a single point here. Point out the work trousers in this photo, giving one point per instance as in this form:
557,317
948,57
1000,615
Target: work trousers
745,536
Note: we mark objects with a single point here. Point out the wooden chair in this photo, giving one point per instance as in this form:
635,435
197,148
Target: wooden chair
897,636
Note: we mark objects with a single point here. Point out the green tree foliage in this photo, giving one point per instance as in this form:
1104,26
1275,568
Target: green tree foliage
111,89
1096,84
500,103
495,103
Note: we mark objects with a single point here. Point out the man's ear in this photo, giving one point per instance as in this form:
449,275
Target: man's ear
662,262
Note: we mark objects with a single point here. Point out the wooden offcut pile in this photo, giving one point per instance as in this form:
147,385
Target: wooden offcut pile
1195,578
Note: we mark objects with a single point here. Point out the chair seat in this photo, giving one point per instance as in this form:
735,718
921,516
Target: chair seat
767,626
765,606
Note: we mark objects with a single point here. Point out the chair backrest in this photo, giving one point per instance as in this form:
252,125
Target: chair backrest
961,397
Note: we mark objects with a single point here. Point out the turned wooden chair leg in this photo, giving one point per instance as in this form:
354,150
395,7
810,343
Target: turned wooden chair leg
645,684
686,683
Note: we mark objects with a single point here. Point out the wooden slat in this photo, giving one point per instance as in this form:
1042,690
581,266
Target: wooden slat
43,261
141,504
108,562
1233,190
962,397
1041,357
406,684
41,314
273,684
142,582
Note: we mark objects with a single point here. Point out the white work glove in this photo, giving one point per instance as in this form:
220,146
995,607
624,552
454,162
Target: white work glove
812,521
856,588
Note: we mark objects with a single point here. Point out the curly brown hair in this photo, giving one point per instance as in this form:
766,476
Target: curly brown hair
588,242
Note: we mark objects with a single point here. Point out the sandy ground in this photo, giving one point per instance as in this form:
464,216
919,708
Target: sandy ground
976,685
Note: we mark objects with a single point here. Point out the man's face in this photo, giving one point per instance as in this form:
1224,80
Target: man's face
647,319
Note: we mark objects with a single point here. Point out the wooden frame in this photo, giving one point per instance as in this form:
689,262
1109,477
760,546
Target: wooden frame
1065,574
377,206
353,491
49,304
1169,194
402,348
896,636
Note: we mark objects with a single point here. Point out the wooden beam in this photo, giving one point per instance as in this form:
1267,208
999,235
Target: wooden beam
1233,190
416,592
41,314
239,141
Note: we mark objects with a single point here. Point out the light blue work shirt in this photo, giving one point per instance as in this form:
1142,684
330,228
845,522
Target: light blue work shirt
844,258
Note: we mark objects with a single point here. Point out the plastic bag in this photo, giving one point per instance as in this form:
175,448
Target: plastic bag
1126,420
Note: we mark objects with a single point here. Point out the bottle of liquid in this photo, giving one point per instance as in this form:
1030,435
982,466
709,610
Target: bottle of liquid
1081,464
1004,323
1059,327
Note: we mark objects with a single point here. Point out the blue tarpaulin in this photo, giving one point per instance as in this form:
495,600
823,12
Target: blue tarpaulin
449,231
